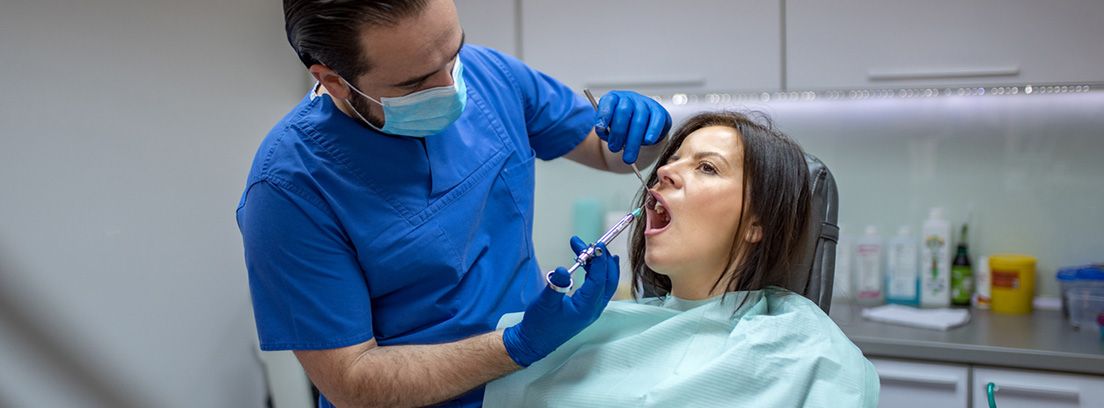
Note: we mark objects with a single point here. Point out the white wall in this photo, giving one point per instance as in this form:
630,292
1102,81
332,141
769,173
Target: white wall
126,131
1029,166
491,23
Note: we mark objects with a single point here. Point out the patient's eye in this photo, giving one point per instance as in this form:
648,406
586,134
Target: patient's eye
707,168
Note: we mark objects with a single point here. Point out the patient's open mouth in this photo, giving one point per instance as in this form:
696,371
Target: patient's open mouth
659,215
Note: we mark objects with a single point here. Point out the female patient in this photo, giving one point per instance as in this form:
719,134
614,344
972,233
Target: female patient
725,216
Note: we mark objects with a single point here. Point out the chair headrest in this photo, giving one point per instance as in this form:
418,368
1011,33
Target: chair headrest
815,270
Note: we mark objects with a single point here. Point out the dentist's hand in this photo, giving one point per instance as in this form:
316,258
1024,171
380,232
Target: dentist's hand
629,120
554,318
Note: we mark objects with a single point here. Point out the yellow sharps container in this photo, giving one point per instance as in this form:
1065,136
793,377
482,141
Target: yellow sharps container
1013,283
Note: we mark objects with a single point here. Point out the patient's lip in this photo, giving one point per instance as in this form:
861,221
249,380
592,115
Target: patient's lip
659,198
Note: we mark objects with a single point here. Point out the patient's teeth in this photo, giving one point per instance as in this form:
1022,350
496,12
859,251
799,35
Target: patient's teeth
660,209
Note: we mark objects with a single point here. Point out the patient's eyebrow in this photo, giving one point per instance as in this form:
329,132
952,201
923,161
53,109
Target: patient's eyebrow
702,155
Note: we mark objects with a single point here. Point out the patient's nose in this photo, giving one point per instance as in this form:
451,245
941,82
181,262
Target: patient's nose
669,177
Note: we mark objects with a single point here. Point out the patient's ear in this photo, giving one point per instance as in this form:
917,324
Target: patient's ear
754,232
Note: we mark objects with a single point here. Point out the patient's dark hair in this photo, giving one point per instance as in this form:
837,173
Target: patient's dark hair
775,178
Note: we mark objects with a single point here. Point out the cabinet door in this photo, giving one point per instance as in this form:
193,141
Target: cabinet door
1024,388
897,43
922,385
656,45
492,23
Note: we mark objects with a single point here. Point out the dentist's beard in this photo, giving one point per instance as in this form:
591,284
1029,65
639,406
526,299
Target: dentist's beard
363,106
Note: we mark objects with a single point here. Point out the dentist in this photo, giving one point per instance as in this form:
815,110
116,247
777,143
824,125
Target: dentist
387,218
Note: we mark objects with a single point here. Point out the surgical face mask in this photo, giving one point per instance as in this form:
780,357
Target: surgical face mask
421,113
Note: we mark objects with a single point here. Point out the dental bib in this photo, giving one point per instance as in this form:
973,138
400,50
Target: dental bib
779,349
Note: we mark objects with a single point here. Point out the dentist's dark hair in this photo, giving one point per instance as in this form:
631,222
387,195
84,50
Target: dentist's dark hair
329,31
776,199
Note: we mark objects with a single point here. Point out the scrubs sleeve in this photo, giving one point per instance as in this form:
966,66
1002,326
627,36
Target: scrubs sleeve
307,287
556,118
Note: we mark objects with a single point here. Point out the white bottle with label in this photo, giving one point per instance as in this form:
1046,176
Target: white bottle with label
841,282
868,268
984,291
902,278
935,261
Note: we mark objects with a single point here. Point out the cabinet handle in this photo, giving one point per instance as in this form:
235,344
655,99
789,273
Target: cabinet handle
931,380
619,83
1039,390
876,74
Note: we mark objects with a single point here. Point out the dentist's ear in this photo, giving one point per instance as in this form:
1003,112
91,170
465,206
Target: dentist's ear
331,81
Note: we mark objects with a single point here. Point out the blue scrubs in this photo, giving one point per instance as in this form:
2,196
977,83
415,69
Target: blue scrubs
351,234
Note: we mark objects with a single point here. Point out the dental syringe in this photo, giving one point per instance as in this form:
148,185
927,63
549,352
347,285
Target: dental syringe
592,251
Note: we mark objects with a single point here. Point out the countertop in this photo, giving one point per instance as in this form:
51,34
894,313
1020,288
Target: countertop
1042,340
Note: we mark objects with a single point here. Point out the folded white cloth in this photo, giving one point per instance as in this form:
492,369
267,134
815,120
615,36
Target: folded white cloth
937,319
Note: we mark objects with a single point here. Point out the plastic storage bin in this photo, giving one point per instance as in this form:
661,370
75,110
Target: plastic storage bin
1100,322
1085,304
1091,276
1067,279
1085,276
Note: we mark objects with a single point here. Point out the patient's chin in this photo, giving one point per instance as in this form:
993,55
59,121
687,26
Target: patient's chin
657,262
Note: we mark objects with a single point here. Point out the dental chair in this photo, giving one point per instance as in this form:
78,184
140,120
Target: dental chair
816,269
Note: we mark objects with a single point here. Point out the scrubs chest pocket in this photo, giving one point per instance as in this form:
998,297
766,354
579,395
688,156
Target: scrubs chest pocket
519,177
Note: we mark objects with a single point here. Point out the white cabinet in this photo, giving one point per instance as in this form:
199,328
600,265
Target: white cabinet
655,45
907,384
878,43
1024,388
925,385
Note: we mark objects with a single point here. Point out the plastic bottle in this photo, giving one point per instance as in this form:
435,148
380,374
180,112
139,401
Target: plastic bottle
983,282
902,276
962,274
935,261
841,282
868,268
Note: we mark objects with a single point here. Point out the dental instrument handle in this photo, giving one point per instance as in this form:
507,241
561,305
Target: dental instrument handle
574,267
636,171
590,96
638,176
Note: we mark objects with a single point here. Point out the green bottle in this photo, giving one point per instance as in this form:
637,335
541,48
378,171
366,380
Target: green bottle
962,275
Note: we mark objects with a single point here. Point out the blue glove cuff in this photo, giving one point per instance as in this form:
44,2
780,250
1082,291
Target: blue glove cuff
516,347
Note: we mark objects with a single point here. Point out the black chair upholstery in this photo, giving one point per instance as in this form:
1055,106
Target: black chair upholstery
816,270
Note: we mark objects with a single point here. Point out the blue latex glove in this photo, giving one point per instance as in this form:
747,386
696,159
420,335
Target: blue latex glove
554,318
629,120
